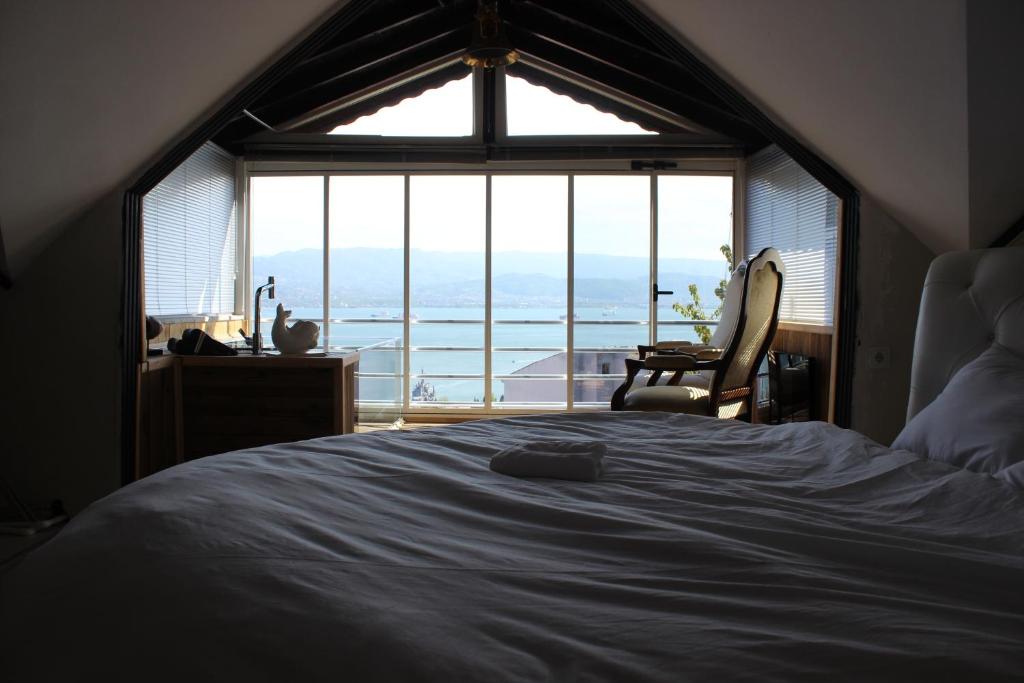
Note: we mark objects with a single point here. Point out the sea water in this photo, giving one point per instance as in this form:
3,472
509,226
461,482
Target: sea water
450,340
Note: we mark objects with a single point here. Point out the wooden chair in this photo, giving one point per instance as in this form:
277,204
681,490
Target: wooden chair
715,379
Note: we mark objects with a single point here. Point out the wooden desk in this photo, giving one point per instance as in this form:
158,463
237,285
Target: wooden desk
192,406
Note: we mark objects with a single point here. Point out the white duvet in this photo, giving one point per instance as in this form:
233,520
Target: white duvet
710,550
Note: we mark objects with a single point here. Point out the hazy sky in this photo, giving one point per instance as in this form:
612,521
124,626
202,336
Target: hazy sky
448,212
448,111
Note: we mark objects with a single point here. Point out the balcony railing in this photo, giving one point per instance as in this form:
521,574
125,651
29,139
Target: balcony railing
395,378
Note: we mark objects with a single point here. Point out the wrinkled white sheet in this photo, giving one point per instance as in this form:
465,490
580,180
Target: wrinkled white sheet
710,550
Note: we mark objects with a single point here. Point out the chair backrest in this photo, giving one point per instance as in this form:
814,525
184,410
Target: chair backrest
971,300
731,306
757,319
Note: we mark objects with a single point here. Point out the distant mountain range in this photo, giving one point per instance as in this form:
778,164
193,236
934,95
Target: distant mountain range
374,277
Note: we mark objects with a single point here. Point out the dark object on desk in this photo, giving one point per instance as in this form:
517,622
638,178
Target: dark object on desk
153,328
791,382
197,343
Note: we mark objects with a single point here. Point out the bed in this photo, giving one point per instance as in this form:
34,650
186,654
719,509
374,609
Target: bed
710,550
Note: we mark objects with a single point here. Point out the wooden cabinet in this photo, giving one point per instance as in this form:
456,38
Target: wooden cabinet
222,404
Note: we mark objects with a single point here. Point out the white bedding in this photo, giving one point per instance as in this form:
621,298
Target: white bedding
710,550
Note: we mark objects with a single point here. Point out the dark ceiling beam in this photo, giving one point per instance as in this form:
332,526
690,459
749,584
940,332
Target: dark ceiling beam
594,14
387,98
230,136
542,78
641,86
295,148
370,48
546,152
360,78
609,48
384,15
1010,235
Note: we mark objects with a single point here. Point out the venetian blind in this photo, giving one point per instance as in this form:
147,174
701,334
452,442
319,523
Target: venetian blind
788,209
189,237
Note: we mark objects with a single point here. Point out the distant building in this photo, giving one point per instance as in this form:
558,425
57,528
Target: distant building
593,390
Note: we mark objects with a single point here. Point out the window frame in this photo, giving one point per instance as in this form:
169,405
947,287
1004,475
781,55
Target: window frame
692,167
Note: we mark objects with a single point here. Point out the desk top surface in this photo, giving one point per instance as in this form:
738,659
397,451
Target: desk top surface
249,360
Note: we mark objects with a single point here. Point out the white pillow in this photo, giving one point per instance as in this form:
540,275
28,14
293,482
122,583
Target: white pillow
977,422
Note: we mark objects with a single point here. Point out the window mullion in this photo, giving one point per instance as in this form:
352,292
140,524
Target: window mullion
325,329
243,258
488,314
406,355
570,354
479,117
500,108
652,327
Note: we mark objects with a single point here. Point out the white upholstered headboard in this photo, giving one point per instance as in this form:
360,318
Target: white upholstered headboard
971,300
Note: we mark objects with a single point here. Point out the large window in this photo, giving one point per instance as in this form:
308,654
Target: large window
480,281
492,291
189,229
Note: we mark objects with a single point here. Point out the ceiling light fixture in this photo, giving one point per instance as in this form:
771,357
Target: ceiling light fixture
489,47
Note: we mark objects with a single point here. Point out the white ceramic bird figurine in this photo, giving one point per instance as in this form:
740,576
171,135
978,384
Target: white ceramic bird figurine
302,336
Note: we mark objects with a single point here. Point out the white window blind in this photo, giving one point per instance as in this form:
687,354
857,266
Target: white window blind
189,237
789,210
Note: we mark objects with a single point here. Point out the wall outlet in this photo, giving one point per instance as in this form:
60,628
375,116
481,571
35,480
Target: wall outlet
878,357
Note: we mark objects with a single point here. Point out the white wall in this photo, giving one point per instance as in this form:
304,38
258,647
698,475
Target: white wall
60,363
876,87
92,94
92,91
995,64
892,267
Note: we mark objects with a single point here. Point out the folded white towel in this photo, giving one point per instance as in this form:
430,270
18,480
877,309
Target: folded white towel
576,460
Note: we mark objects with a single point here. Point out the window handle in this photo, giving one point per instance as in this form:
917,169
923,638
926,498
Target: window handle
657,291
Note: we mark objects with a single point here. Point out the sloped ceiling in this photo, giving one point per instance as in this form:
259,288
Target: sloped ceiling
878,88
418,44
90,92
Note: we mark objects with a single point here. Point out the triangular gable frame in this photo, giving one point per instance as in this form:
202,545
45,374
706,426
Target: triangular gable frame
367,104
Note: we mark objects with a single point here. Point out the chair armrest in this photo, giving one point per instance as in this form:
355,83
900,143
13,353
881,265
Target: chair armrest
675,361
682,362
699,351
663,347
709,353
